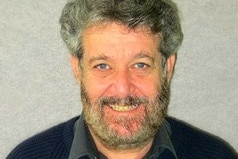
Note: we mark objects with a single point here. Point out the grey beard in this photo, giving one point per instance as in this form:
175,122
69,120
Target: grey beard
155,112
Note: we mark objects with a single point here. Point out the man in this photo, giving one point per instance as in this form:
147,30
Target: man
123,57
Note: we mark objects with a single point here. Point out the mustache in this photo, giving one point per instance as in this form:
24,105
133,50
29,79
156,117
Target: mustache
128,101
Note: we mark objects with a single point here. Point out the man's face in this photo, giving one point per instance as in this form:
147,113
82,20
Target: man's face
124,93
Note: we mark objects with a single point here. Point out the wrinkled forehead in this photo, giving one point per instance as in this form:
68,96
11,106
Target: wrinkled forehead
114,31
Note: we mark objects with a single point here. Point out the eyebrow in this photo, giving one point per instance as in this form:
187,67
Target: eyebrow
140,55
100,57
143,54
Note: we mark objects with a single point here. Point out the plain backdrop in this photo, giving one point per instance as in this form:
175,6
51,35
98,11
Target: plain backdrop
37,88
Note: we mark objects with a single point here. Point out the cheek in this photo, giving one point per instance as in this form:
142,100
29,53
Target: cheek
148,87
96,87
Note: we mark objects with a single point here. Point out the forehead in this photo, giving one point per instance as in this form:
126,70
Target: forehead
118,38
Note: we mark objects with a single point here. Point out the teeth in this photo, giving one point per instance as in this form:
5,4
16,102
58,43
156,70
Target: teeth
123,108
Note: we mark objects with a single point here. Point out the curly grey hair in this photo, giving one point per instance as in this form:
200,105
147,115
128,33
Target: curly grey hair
160,16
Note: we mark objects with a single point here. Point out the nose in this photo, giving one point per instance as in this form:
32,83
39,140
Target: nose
122,86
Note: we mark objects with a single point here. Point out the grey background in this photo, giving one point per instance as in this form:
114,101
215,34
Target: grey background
38,89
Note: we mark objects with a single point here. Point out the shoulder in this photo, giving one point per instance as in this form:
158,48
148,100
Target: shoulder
197,144
52,143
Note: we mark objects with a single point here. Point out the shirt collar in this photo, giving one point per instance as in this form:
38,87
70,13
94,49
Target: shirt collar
163,140
83,145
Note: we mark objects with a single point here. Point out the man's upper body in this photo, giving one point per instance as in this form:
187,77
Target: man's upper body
123,57
72,140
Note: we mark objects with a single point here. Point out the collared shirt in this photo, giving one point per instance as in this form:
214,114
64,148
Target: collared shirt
84,146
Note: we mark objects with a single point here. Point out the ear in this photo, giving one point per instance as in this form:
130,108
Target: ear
76,67
170,65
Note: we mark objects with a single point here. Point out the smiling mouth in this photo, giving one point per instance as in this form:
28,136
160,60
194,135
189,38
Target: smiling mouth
123,108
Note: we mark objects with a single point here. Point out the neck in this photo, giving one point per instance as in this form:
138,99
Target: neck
120,154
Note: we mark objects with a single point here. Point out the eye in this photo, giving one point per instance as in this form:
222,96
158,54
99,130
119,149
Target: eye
102,66
141,68
141,65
